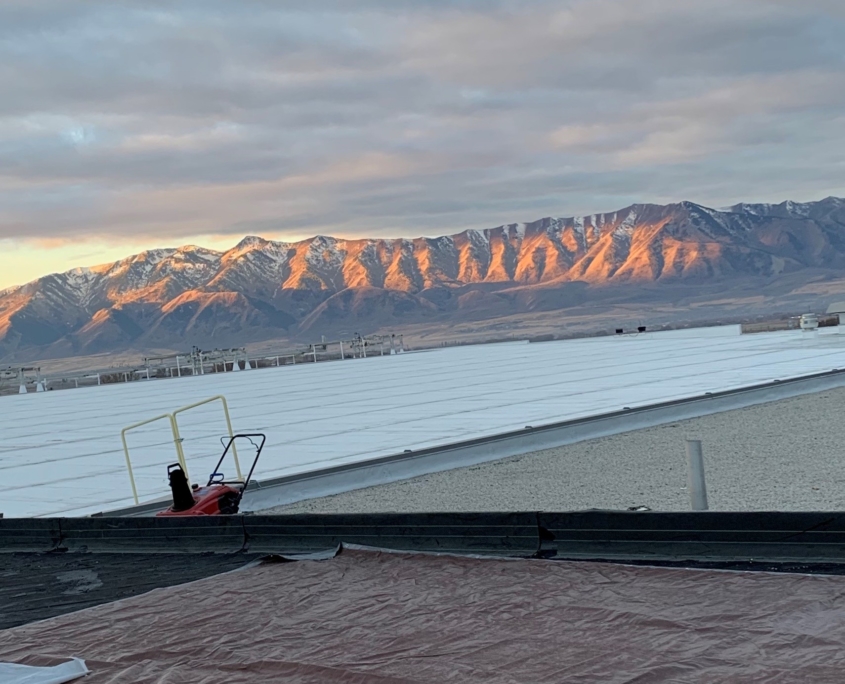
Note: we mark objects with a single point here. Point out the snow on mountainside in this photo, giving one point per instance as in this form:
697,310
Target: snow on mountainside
261,288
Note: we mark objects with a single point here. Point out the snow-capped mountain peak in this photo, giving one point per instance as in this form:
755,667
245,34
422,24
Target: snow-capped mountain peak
259,284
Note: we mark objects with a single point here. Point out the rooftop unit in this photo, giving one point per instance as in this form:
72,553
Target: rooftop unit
809,322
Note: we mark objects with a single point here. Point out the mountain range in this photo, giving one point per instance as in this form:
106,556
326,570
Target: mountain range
262,289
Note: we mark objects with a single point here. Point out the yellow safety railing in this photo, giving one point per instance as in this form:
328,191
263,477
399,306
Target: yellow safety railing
221,399
177,438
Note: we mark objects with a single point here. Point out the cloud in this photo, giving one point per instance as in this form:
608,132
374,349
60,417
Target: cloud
153,120
747,112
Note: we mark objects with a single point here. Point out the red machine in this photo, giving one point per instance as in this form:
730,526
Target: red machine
218,497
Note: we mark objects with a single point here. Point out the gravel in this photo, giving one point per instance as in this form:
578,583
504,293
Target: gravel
785,455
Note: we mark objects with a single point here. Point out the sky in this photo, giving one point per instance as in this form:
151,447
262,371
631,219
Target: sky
131,125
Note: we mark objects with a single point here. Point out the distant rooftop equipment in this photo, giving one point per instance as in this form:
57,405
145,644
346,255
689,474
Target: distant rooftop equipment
24,375
809,322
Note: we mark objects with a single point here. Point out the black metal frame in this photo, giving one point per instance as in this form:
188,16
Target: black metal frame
259,447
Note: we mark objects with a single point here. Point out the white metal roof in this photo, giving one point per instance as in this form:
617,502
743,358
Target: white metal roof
62,455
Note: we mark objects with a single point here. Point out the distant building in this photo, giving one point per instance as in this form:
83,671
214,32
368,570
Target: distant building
837,309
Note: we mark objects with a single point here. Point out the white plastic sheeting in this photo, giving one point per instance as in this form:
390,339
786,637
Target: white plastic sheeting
11,673
62,455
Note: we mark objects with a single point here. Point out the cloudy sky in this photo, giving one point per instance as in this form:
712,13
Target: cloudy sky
130,125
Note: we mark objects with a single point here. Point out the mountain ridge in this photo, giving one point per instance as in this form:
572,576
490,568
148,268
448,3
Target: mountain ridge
265,288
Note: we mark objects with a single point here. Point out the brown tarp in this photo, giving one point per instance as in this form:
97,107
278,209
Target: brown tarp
381,618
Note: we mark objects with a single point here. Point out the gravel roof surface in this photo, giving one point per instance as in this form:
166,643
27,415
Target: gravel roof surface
785,455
